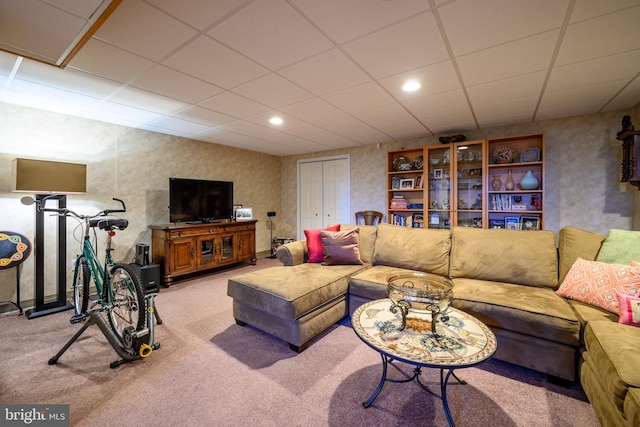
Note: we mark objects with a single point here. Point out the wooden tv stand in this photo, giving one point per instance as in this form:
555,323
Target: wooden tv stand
182,248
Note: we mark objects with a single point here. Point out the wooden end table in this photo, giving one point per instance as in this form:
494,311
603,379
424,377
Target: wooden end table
462,341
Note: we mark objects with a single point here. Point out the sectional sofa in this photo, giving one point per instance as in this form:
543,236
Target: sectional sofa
507,279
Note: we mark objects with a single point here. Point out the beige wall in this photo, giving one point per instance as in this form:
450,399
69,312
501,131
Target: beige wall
582,173
582,176
126,163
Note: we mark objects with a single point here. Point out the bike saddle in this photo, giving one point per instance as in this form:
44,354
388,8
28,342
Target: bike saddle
109,224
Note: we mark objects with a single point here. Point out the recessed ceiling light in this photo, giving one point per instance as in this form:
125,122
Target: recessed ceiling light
411,86
275,120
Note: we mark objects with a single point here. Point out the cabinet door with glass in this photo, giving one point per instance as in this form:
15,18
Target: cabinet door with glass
405,195
468,201
438,186
516,182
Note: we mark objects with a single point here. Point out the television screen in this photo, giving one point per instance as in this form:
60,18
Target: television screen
195,200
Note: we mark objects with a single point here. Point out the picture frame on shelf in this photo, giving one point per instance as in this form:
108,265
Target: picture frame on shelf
418,181
437,174
244,214
512,222
407,184
236,206
528,223
395,183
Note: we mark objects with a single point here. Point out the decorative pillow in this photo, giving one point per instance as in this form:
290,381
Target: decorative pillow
620,247
314,244
629,310
341,247
597,283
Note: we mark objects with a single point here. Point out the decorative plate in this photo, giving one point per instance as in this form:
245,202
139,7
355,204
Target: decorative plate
418,163
446,157
504,154
530,155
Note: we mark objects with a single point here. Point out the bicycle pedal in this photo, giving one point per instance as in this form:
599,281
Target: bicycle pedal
78,318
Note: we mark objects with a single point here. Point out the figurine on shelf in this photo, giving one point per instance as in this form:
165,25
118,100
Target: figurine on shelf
478,203
535,202
462,204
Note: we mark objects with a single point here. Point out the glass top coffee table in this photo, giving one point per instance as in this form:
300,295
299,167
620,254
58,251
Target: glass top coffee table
460,342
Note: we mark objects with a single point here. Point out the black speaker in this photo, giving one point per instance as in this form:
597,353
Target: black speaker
142,254
149,277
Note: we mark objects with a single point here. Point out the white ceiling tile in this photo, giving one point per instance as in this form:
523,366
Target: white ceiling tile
360,97
610,34
234,105
437,104
434,79
67,79
576,101
403,129
174,84
36,95
124,113
365,134
279,36
600,70
104,60
326,73
154,38
506,112
590,9
410,44
627,98
163,130
507,60
147,100
383,114
473,25
528,85
451,122
179,125
315,109
315,133
199,13
7,61
263,119
210,61
203,116
347,20
273,90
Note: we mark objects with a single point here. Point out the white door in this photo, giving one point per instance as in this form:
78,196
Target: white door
323,193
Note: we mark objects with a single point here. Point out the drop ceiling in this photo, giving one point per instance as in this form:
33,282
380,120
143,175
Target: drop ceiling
217,71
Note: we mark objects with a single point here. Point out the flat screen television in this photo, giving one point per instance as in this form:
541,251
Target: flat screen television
198,200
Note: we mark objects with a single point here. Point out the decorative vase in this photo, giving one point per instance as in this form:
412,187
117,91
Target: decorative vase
509,184
496,184
529,182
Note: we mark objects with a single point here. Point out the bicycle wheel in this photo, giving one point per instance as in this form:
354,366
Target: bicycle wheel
128,305
81,279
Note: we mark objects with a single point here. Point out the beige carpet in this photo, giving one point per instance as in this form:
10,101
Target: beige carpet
211,372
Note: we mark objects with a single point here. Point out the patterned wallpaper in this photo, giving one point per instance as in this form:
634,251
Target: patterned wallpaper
582,173
130,164
582,176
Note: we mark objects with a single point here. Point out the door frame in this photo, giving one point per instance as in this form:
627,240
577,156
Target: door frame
346,157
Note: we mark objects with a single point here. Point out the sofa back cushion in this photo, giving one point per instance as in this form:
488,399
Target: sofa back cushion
574,243
420,249
510,256
367,240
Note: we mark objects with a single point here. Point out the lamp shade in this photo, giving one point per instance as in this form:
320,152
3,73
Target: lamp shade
43,176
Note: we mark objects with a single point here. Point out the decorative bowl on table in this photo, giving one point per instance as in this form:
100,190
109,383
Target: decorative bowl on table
421,292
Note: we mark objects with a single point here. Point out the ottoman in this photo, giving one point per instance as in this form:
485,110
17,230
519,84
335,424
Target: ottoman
293,303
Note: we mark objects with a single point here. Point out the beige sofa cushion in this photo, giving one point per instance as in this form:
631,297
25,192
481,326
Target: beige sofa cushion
372,283
420,249
612,349
290,292
510,256
528,310
573,243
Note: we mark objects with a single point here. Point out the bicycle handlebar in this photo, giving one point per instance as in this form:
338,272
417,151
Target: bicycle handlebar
64,211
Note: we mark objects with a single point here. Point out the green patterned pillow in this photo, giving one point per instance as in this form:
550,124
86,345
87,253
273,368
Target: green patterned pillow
620,247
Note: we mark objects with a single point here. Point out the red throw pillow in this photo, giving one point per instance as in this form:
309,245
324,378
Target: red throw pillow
314,242
629,310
